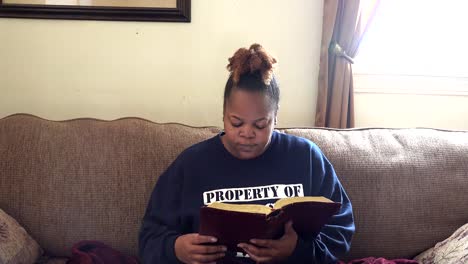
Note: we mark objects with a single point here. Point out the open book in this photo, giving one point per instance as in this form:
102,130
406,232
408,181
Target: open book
235,223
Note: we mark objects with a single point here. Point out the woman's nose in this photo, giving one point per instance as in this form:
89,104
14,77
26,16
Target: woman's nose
247,131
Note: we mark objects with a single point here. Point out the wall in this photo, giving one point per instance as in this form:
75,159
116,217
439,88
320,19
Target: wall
411,101
165,72
411,110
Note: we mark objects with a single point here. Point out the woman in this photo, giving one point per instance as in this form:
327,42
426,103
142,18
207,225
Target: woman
247,154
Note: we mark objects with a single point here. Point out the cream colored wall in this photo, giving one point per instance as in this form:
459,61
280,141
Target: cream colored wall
165,72
411,101
411,110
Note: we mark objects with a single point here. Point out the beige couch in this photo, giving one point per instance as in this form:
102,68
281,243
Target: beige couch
89,179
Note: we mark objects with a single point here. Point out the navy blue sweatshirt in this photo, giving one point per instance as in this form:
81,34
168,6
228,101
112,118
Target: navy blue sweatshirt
206,172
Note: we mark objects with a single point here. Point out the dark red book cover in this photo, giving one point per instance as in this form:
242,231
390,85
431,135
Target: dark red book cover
232,228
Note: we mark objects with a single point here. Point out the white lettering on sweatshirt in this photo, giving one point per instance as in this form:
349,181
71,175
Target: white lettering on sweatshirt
256,193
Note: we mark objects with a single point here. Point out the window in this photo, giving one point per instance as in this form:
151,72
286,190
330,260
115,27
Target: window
415,47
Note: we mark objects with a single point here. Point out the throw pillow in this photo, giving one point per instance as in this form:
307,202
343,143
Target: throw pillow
16,246
452,250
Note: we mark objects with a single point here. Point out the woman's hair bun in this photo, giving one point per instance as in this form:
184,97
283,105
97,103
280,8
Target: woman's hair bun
254,60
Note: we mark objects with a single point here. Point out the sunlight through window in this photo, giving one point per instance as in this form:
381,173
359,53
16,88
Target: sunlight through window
416,38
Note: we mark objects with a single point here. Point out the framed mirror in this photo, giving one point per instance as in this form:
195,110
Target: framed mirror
124,10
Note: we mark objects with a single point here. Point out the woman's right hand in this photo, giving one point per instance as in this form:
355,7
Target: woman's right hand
193,249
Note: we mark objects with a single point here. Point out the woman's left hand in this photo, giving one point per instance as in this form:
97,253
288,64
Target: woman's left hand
272,251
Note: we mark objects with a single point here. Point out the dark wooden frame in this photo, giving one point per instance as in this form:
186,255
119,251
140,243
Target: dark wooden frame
179,14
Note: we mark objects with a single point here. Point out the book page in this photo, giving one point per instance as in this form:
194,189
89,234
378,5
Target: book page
246,208
285,201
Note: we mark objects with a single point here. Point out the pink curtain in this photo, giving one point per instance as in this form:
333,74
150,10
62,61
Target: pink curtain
344,24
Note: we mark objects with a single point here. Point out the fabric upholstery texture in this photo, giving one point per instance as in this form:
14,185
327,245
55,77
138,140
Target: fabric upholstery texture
16,246
407,186
57,261
44,259
88,179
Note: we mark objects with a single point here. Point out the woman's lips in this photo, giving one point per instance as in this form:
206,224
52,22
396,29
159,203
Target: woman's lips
246,147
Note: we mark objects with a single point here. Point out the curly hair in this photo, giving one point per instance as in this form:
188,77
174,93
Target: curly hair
252,70
254,60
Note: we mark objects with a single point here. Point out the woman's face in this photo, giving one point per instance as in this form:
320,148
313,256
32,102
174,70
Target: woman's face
249,121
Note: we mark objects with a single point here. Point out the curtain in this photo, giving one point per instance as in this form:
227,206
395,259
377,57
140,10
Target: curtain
344,25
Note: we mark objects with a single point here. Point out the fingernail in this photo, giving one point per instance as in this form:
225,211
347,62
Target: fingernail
224,248
253,241
213,239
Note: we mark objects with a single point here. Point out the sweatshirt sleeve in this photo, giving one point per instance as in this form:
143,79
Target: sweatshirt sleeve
161,223
334,240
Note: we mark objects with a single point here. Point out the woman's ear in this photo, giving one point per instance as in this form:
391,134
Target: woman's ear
276,115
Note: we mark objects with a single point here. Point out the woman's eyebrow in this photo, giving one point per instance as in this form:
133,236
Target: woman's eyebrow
238,118
261,119
256,120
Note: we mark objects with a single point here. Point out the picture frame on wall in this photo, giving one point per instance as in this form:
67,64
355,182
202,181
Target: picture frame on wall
123,10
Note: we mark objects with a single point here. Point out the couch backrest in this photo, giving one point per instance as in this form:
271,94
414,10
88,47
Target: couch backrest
408,187
85,179
89,179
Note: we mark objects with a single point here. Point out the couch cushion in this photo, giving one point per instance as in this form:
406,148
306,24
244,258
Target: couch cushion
57,261
85,179
45,259
407,186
